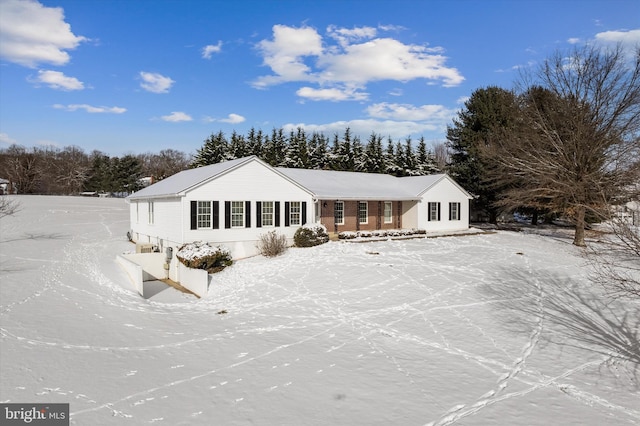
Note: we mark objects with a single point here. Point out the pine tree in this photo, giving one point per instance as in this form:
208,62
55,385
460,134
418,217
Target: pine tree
318,151
238,146
215,150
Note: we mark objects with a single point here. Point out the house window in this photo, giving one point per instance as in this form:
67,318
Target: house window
338,212
454,211
388,212
434,211
204,214
363,212
267,213
237,214
294,213
151,215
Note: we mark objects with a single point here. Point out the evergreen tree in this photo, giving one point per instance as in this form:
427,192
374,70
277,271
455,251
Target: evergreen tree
255,141
390,159
297,150
425,161
373,154
238,146
215,150
482,121
359,159
318,151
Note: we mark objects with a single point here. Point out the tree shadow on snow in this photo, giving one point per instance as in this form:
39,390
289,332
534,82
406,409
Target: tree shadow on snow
572,314
37,236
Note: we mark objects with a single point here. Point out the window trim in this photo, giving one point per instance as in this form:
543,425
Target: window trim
453,210
271,216
199,215
435,217
293,205
151,213
237,216
384,211
340,210
365,211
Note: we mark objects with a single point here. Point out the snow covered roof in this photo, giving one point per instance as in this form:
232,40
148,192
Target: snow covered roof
177,184
330,184
323,184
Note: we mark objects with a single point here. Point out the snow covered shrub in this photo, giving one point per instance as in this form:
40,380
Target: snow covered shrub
347,235
201,255
272,244
310,235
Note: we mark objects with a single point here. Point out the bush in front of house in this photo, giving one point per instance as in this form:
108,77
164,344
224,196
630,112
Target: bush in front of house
201,255
310,235
272,244
380,233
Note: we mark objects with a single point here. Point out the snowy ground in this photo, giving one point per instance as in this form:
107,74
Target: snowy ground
500,328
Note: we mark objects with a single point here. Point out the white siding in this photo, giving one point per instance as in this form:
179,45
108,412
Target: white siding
166,227
252,182
444,192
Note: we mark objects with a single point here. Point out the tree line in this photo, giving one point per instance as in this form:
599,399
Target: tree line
566,142
346,152
69,171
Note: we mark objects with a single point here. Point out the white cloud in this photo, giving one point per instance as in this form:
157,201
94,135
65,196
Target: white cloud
233,119
331,94
404,112
5,139
630,38
32,34
345,36
57,80
301,55
363,128
573,40
286,52
176,117
210,49
155,83
91,109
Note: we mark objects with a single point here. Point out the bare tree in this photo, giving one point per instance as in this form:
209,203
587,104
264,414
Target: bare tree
578,131
441,155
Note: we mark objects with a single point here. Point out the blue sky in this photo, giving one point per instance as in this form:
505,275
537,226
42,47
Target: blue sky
140,76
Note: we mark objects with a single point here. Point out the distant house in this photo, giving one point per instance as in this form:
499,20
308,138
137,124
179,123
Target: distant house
7,187
234,202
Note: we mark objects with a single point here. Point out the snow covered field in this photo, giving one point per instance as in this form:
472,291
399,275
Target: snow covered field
488,329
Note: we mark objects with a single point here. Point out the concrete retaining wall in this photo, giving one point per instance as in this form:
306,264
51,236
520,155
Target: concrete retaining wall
134,271
195,280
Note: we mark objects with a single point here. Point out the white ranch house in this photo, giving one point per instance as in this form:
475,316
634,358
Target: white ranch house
234,202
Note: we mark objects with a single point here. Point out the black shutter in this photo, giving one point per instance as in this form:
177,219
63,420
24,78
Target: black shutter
450,210
247,214
216,215
258,214
438,211
304,212
194,215
287,212
429,212
227,214
277,212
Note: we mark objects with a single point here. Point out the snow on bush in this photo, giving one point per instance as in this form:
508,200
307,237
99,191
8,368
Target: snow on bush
310,235
380,233
201,255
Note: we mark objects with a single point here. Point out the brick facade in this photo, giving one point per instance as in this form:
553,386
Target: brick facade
375,216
